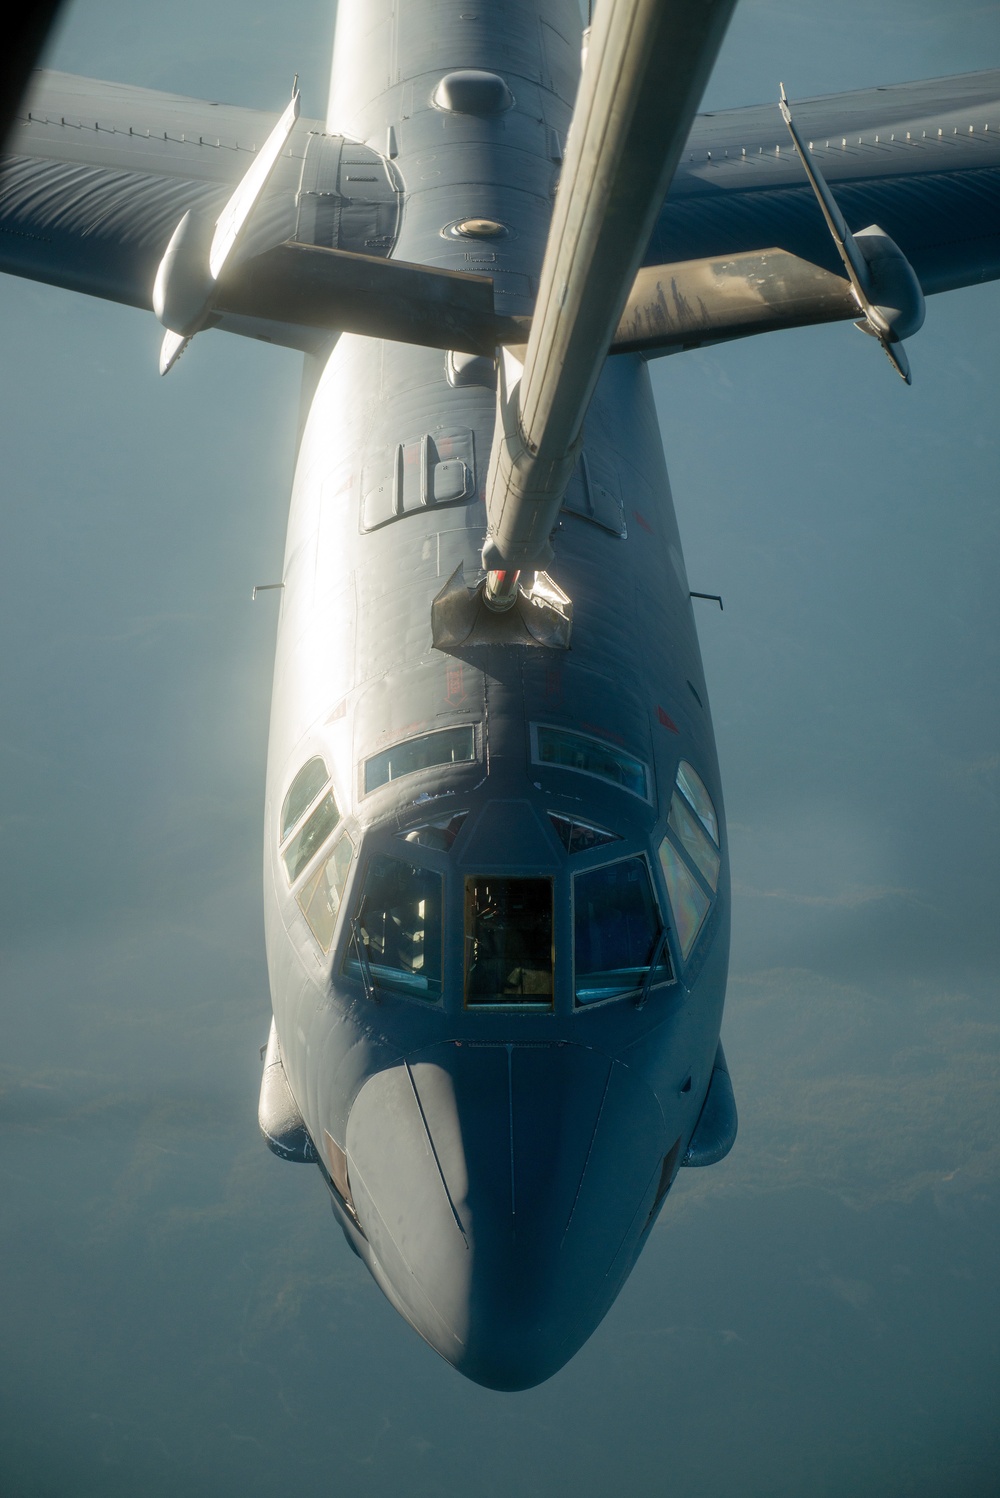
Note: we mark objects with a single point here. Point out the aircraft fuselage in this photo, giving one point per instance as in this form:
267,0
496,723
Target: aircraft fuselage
497,975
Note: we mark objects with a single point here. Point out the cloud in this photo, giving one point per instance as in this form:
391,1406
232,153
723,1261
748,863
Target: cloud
874,1093
850,898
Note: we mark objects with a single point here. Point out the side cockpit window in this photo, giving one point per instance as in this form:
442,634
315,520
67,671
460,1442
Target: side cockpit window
688,831
309,821
690,856
617,932
302,793
690,783
315,830
397,932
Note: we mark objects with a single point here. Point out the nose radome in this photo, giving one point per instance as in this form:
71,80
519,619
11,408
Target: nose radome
503,1190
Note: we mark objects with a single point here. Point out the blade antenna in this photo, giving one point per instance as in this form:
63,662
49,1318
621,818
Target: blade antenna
885,285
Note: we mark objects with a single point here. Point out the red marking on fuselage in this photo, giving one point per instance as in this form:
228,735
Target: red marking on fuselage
667,720
454,678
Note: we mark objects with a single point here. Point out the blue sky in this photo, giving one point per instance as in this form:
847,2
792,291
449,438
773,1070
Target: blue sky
818,1313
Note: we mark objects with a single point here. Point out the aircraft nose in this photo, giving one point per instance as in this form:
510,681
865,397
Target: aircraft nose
503,1190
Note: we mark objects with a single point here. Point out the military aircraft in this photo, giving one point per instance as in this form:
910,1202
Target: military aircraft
496,877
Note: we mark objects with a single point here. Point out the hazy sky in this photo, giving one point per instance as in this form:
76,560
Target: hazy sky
818,1314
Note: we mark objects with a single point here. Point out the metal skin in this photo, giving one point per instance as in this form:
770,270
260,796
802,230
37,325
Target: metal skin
497,1168
505,1166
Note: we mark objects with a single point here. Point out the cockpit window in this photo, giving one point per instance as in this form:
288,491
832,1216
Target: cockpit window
398,925
320,896
439,834
688,900
508,942
579,837
616,931
311,835
445,746
578,751
688,831
690,783
302,793
689,856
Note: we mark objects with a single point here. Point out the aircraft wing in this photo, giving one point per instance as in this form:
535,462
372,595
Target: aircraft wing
96,177
922,160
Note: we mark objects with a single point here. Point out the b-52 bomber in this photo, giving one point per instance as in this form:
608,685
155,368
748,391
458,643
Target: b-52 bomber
496,882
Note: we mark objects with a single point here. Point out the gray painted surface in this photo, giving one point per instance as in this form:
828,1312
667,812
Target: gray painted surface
92,190
356,671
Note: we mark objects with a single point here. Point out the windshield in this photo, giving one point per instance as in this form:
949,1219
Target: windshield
508,941
319,897
398,926
616,931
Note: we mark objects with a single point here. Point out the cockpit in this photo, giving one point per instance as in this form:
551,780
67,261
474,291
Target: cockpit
602,914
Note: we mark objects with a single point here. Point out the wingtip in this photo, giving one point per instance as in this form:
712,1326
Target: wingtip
897,358
171,348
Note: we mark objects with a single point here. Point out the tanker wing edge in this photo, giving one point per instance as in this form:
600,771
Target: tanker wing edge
344,292
670,308
696,302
